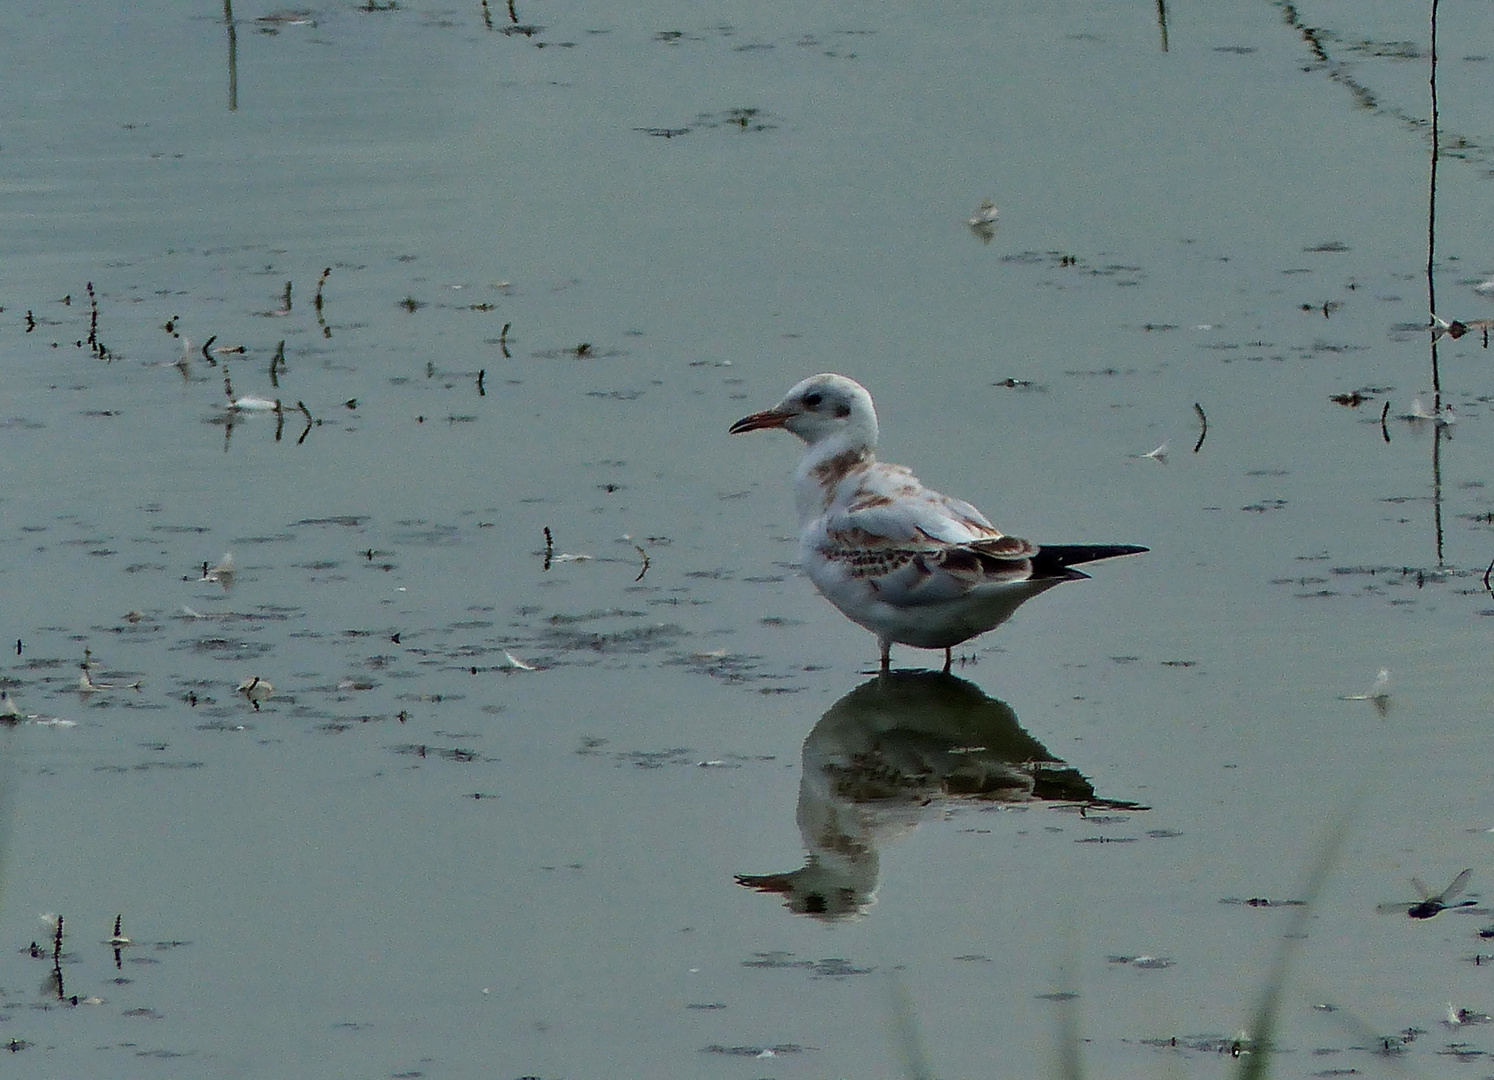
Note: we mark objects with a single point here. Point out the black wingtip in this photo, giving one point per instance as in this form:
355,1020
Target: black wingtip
1054,556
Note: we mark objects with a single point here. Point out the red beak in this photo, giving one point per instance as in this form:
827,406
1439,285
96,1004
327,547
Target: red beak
768,418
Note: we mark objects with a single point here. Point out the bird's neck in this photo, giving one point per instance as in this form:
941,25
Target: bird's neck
823,468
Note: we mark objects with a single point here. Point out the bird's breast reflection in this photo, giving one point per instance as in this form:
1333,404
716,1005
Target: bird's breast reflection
893,750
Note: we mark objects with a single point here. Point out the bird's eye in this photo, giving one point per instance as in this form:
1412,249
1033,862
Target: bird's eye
812,401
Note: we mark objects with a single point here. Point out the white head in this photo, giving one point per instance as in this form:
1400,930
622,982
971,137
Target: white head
822,407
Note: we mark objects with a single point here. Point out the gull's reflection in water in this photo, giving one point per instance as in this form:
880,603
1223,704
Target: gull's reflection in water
890,753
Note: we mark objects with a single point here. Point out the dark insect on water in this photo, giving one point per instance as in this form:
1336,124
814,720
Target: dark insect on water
1433,903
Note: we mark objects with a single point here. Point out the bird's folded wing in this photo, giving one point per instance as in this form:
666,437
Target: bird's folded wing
889,502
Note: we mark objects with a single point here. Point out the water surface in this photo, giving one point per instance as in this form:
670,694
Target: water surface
563,259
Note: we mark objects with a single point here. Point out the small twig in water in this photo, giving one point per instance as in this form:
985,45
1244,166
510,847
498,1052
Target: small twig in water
1385,431
644,555
502,337
481,375
549,547
285,303
1203,426
1486,581
119,941
317,301
206,354
277,363
93,319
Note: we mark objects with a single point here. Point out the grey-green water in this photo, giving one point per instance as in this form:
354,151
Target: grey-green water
418,858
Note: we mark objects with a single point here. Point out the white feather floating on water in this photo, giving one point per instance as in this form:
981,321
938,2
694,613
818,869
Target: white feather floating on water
1379,694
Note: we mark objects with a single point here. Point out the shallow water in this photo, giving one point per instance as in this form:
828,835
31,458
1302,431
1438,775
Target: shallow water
493,816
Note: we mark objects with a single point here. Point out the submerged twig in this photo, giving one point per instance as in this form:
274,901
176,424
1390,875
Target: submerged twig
549,547
1438,434
502,338
1487,586
1203,426
481,375
317,303
644,556
1385,431
907,1038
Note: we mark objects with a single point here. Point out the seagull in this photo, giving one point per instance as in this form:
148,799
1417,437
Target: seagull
909,564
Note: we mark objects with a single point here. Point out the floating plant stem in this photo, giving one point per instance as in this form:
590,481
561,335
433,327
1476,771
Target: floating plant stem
93,320
118,941
317,300
1203,426
233,57
644,556
549,547
1432,215
57,960
481,375
1385,431
502,337
1256,1064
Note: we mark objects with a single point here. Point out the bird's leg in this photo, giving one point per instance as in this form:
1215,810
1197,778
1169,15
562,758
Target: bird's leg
886,656
948,658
